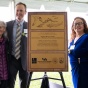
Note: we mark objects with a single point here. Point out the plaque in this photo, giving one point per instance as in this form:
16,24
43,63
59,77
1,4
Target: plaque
47,41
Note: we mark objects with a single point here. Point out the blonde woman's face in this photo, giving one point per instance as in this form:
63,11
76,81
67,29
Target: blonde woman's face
78,26
2,30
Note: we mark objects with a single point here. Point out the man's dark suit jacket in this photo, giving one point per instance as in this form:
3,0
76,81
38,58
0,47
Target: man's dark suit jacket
9,29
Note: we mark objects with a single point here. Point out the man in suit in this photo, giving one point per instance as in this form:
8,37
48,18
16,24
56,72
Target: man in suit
18,64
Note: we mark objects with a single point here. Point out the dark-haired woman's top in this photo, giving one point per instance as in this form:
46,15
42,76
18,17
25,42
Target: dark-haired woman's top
3,60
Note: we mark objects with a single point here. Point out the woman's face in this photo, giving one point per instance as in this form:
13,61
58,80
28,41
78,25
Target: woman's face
2,30
78,26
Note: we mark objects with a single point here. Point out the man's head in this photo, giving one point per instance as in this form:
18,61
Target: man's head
20,10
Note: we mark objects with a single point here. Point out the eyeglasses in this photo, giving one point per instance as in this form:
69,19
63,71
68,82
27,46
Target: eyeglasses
79,23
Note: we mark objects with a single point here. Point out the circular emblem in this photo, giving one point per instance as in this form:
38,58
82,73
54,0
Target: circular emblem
61,60
55,60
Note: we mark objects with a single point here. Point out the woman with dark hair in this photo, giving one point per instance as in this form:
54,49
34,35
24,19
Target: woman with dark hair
78,53
4,51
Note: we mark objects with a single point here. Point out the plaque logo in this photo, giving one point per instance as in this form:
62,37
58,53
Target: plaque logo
44,59
61,60
34,60
55,60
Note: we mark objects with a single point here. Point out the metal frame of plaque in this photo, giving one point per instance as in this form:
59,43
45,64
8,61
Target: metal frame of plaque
47,43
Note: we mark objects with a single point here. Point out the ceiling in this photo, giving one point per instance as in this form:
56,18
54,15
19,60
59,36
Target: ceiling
4,3
57,5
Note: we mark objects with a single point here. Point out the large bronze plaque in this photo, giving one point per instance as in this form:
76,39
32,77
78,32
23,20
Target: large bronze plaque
47,41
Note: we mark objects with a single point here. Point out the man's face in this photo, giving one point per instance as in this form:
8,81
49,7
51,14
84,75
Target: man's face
20,12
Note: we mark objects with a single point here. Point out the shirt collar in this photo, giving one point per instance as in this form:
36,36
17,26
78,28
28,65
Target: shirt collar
21,22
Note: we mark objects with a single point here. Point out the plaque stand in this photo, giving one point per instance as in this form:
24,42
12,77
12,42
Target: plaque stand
45,81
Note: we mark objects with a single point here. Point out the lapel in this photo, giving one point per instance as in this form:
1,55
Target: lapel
24,39
81,39
10,28
24,26
81,42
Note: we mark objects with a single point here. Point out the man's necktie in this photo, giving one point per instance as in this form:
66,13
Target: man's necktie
18,40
